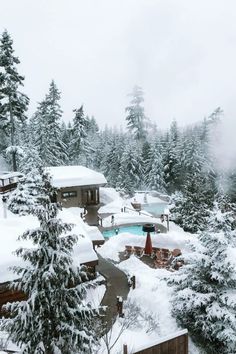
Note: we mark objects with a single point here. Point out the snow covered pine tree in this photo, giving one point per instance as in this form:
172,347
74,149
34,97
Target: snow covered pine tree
13,103
204,299
25,196
54,319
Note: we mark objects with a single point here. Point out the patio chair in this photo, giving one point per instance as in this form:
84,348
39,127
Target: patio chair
160,263
158,254
138,251
128,250
154,251
165,253
163,258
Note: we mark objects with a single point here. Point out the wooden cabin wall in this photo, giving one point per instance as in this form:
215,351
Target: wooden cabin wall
8,295
178,345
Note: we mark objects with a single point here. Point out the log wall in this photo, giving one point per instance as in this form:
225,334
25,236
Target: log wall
7,295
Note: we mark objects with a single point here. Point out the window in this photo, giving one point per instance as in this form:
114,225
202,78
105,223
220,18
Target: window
69,194
90,196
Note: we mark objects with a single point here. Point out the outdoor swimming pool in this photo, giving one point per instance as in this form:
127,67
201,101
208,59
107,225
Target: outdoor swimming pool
156,209
132,229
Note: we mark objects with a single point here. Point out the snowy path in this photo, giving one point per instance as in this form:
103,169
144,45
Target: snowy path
117,285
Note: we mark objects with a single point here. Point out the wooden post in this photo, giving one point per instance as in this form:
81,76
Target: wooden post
133,279
167,221
4,200
119,305
125,349
12,133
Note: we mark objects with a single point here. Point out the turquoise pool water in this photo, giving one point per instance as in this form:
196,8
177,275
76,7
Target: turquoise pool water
133,229
156,209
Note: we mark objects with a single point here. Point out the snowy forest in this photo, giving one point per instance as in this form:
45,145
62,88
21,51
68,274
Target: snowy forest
179,161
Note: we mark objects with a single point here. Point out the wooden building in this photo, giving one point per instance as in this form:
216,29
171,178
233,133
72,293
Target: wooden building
8,181
78,186
83,251
8,295
176,343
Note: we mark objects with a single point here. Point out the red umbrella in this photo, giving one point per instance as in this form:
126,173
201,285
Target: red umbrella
148,245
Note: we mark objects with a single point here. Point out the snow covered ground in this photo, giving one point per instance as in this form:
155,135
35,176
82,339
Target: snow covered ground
151,295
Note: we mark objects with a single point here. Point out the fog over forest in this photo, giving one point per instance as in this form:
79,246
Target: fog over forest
181,53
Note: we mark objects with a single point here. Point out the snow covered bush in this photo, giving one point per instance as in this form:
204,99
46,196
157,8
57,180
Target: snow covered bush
205,288
55,318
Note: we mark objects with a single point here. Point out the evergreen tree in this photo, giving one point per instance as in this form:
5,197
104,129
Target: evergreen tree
66,133
204,300
194,208
136,119
55,317
102,148
13,103
92,126
92,141
49,143
25,196
130,173
191,159
172,166
112,160
80,147
30,159
231,185
155,175
146,147
177,201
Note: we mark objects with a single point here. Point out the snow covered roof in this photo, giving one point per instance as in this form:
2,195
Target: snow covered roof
7,174
71,176
14,226
161,340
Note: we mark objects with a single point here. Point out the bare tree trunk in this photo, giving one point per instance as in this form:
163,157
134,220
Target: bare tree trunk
14,165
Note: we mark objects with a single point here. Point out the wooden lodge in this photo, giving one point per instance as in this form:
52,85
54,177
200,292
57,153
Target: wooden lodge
8,295
8,181
78,186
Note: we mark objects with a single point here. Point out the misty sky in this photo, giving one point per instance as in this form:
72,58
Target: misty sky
182,53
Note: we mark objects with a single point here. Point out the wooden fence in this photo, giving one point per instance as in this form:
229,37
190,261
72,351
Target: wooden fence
173,344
